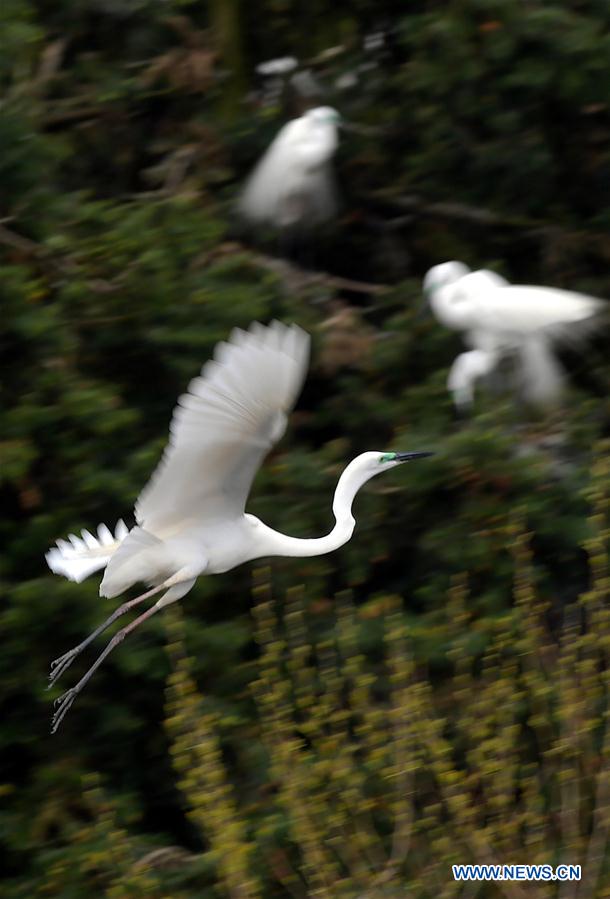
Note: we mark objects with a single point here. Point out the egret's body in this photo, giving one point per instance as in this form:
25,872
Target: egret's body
500,319
292,185
190,518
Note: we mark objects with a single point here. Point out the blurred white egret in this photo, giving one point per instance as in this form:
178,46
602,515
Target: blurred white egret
500,319
191,517
293,185
281,66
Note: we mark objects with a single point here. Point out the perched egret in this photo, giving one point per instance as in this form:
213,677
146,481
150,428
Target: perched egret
292,186
501,319
190,517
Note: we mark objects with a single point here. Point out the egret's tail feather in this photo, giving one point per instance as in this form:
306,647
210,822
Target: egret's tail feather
542,374
138,555
586,319
78,557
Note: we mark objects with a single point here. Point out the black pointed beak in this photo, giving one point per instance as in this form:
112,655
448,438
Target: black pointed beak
408,457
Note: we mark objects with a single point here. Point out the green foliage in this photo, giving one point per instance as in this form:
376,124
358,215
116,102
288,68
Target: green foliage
481,131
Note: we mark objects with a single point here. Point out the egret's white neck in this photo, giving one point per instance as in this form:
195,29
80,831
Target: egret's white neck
273,543
452,314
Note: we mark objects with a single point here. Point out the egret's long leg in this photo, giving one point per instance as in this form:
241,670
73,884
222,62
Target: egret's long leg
466,370
58,666
66,700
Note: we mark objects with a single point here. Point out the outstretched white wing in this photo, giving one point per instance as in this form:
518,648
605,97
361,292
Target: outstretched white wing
223,427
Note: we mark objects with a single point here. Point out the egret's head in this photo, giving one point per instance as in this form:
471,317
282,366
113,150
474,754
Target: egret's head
391,459
362,469
324,115
372,463
443,275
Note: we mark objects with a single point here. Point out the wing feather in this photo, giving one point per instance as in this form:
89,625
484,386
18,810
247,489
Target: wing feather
223,427
527,309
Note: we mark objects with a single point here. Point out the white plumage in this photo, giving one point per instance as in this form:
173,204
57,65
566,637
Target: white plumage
293,184
190,517
499,319
81,556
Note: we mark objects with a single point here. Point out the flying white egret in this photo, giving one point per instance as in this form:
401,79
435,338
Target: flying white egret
293,185
501,319
190,517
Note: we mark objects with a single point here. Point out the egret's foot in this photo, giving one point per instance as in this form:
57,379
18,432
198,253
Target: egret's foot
58,666
65,701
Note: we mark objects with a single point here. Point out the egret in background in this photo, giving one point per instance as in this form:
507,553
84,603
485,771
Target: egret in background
500,319
293,186
190,517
